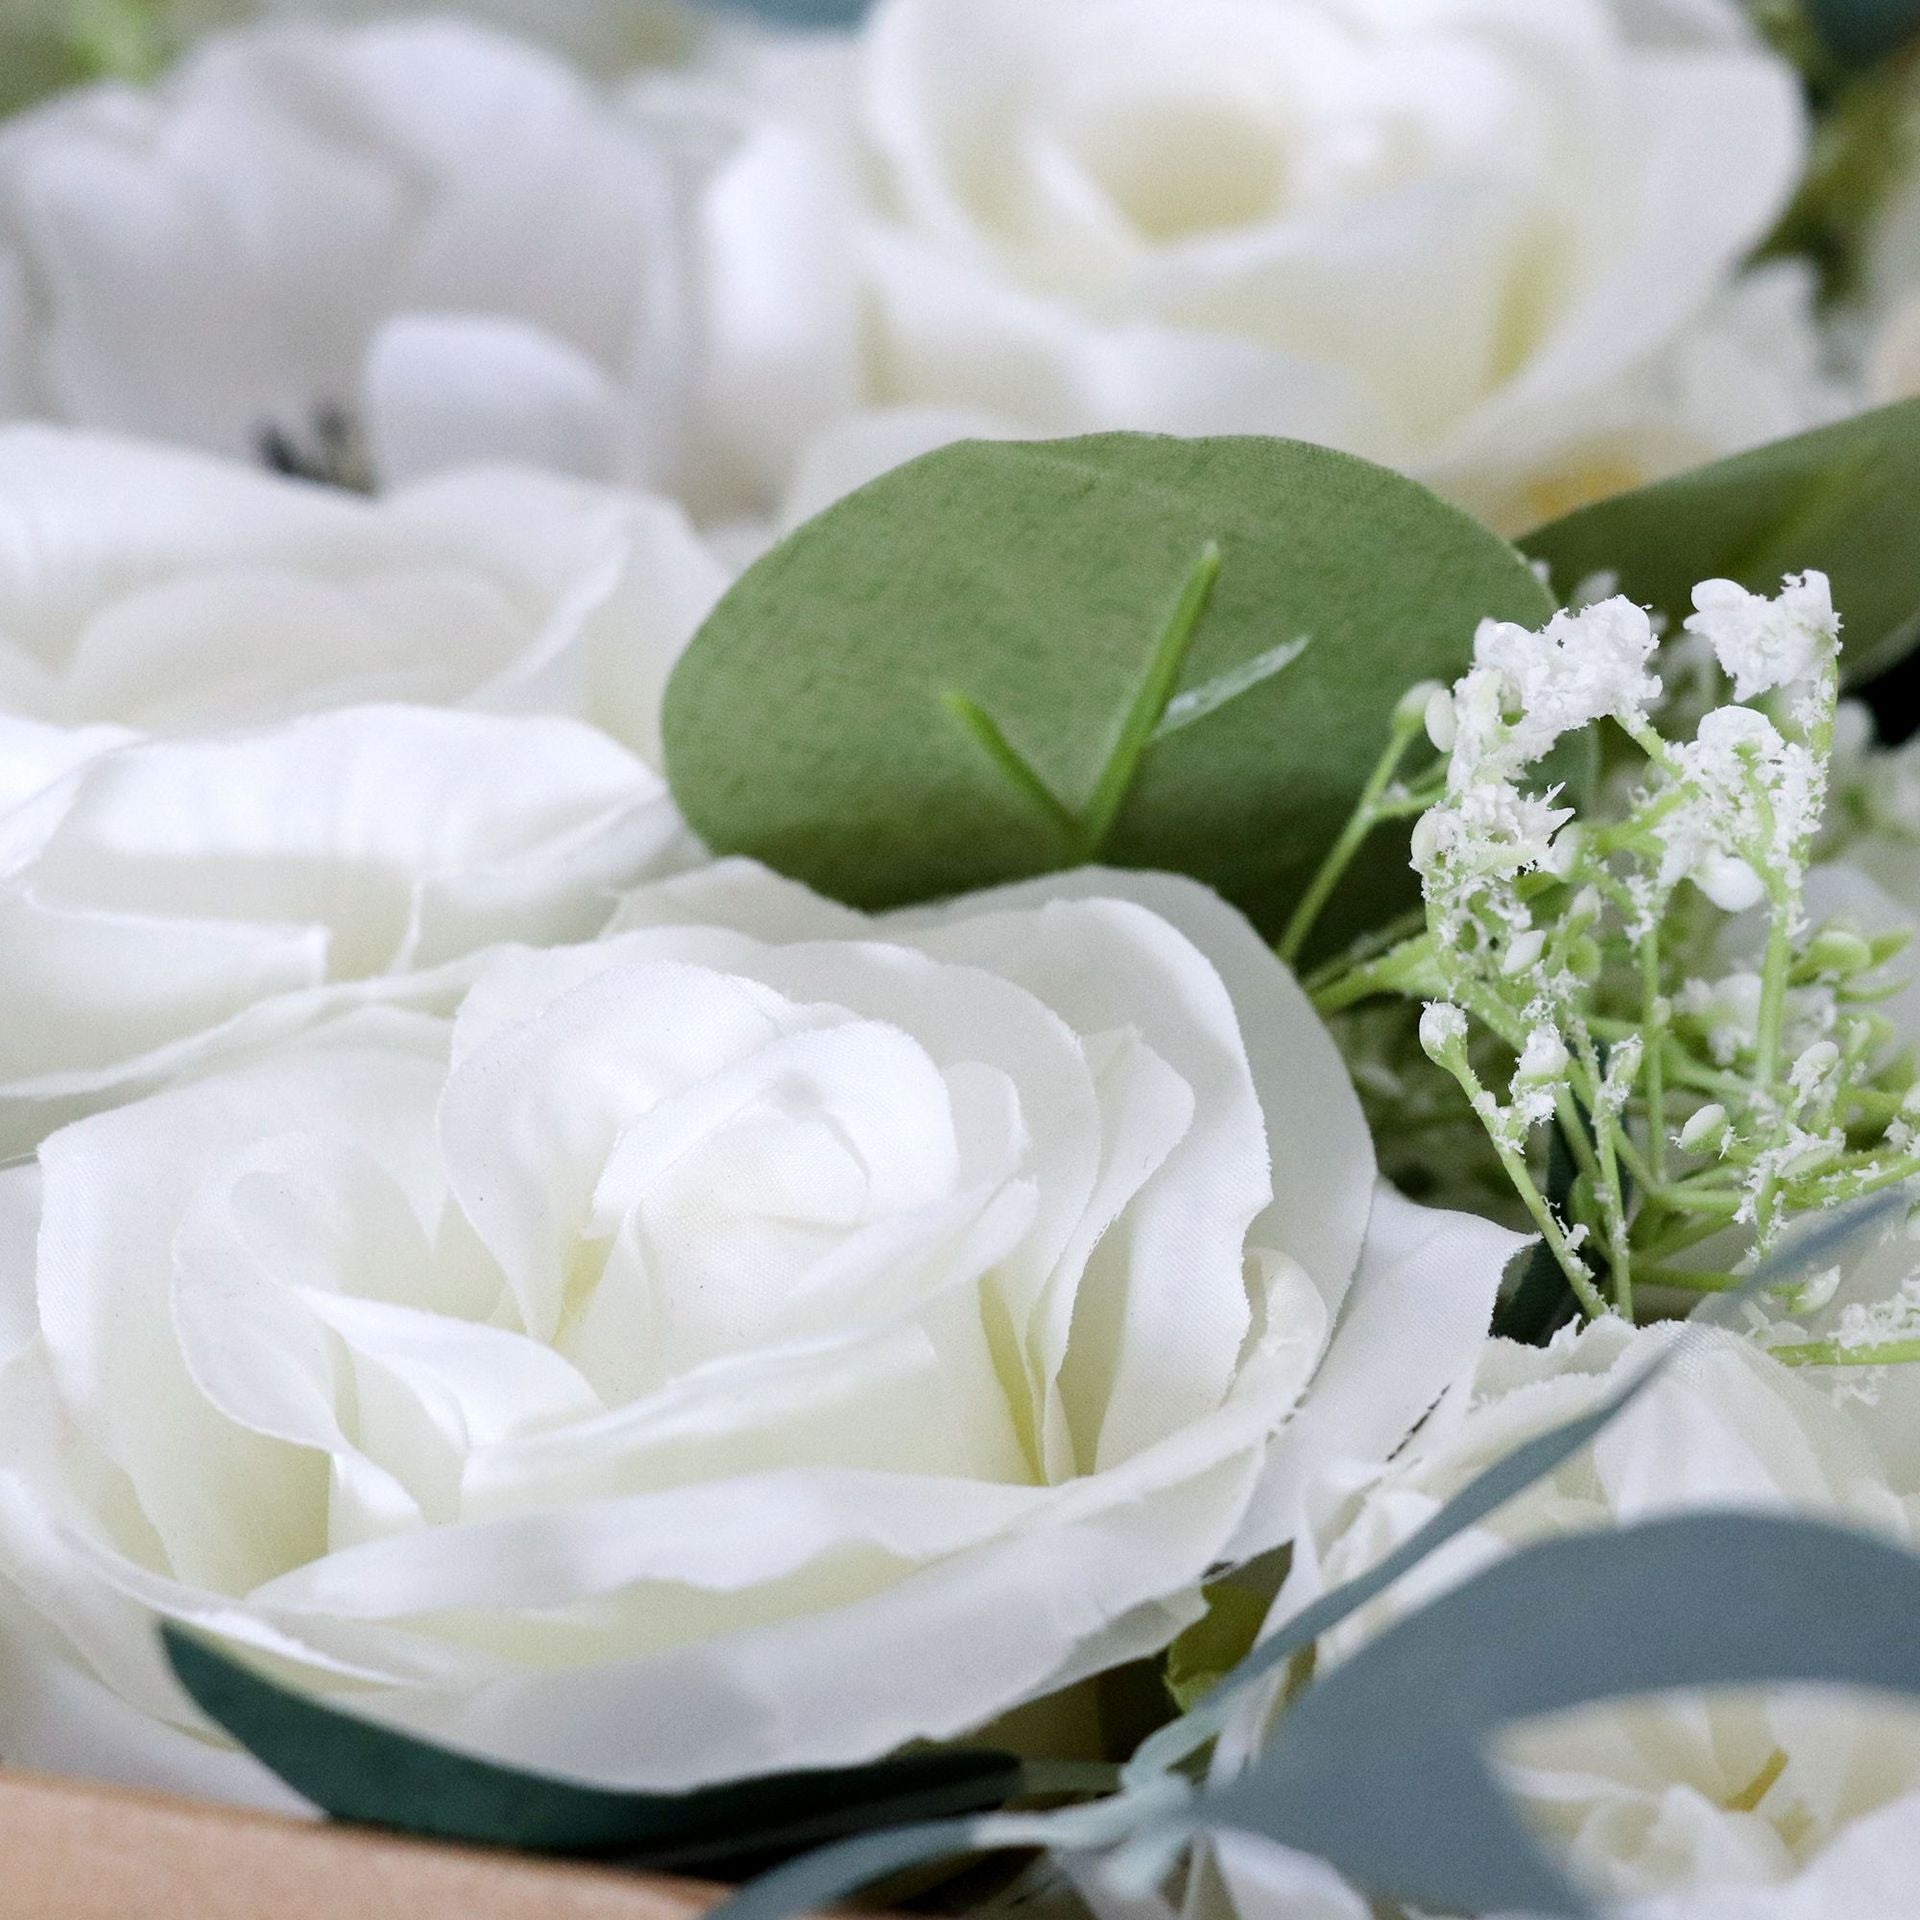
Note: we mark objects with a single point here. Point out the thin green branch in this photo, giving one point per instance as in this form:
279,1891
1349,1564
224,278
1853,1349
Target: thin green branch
1150,702
981,727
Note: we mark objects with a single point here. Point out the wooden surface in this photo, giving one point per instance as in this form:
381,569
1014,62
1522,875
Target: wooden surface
70,1851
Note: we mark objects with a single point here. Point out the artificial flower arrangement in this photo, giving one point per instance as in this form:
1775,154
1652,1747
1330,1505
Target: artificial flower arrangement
960,959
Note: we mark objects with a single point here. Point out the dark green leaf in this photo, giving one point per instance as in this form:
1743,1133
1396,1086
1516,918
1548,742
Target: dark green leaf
1841,499
930,687
1381,1766
359,1771
1862,31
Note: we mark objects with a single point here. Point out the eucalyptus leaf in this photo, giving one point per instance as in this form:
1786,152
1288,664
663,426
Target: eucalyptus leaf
357,1770
1007,658
1841,499
1381,1766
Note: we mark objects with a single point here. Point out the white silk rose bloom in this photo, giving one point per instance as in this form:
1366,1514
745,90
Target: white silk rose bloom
390,248
1490,242
154,590
248,767
1792,1805
748,1342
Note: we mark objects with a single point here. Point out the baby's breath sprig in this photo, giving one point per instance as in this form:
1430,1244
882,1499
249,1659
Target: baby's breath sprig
1703,1083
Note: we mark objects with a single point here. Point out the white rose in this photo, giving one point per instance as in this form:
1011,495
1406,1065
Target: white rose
410,244
1794,1805
168,901
169,889
752,1341
1486,241
159,590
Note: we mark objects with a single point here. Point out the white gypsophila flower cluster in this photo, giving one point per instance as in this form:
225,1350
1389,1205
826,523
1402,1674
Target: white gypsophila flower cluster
1573,934
1762,644
1750,804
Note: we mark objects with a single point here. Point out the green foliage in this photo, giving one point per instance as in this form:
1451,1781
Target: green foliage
1005,658
1840,499
1862,31
1381,1765
357,1770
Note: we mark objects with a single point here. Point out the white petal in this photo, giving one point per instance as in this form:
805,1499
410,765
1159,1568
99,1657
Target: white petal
451,389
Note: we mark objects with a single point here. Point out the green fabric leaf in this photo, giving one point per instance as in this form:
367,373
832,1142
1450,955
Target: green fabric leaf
1380,1767
1216,1643
1840,499
1862,31
356,1770
1003,659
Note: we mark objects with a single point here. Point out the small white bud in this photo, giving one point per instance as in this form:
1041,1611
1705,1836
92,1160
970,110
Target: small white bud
1426,841
1523,952
1585,905
1814,1065
1443,1031
1730,884
1544,1061
1410,713
1706,1131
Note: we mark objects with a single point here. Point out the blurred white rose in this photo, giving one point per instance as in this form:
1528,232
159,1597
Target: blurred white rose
170,888
1795,1805
399,246
751,1341
1490,242
163,591
165,902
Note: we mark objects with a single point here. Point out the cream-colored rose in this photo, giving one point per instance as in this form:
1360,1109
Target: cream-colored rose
751,1341
1490,242
1790,1806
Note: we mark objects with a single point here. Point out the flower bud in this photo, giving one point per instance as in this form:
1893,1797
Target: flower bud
1426,841
1523,952
1427,705
1707,1131
1443,1032
1544,1061
1730,884
1814,1065
1837,950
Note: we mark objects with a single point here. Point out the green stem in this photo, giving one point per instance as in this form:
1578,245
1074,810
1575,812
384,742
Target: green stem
1829,1353
1535,1202
981,727
1613,1204
1150,702
1656,1063
1688,1280
1360,823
